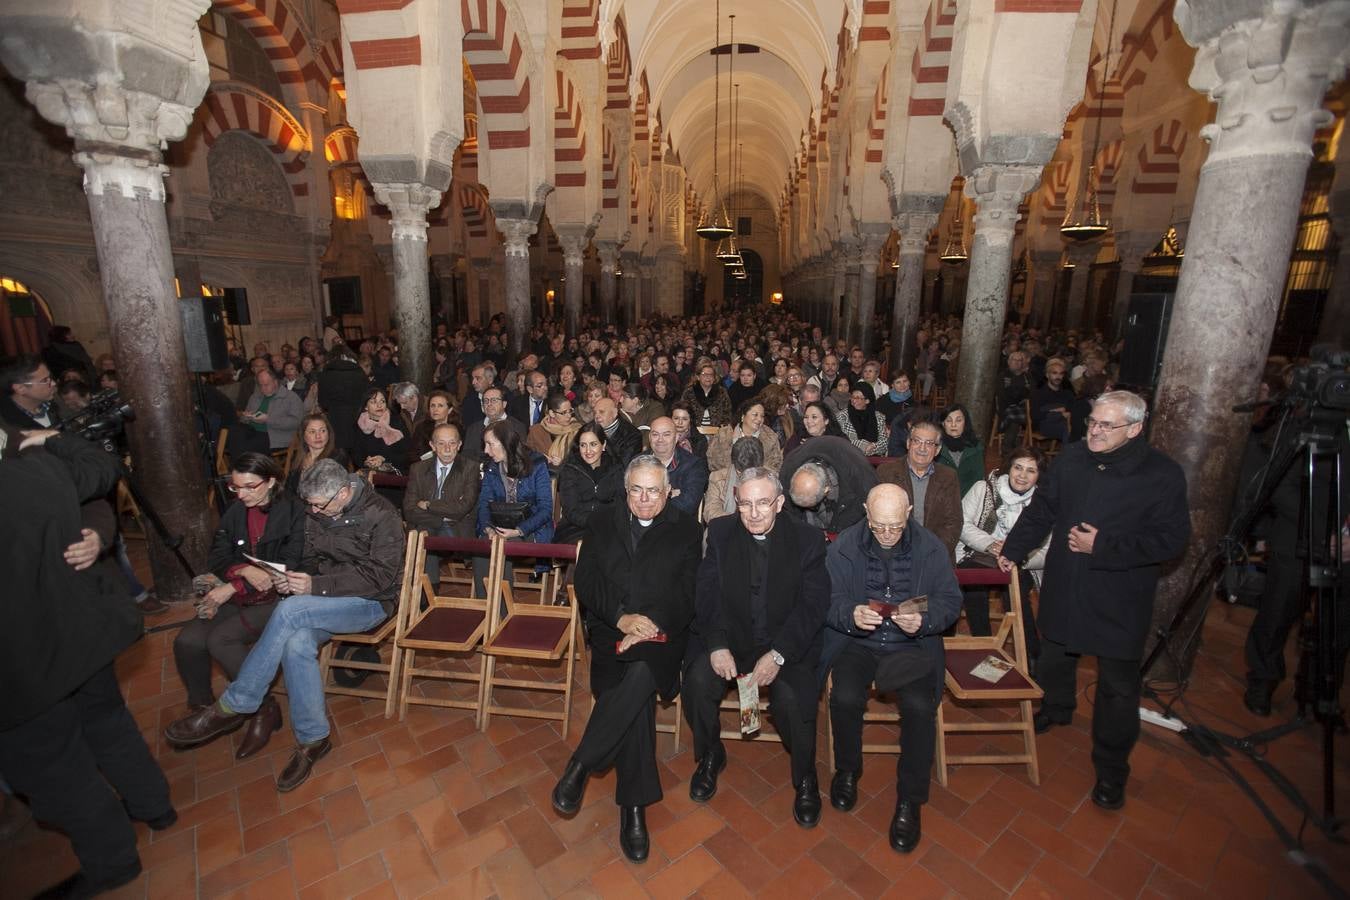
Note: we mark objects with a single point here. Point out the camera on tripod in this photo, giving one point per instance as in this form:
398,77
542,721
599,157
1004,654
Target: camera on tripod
1324,382
102,420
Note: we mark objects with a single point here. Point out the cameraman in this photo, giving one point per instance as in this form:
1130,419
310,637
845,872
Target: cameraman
67,741
27,390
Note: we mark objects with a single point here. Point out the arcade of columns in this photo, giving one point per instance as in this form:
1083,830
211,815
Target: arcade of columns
583,133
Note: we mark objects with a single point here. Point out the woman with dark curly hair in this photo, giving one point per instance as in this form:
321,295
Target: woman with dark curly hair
512,474
589,478
817,419
380,441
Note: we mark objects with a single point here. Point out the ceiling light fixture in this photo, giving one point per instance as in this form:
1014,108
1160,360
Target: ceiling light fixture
710,229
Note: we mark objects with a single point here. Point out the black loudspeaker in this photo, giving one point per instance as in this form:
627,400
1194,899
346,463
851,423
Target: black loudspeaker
236,306
203,333
1145,336
344,295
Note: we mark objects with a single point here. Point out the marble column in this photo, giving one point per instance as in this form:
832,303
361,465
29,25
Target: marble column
517,234
1044,278
608,252
408,206
997,190
647,295
573,239
872,239
914,229
1131,247
628,305
1081,257
482,276
838,282
1268,75
852,290
452,306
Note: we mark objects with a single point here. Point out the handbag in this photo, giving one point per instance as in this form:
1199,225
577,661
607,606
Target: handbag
979,559
507,513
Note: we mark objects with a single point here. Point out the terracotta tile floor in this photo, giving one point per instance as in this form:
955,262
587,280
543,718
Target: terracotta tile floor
431,807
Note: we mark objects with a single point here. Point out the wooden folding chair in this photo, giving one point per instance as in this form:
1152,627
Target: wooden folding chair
732,704
1033,438
447,626
222,462
1016,686
527,632
376,637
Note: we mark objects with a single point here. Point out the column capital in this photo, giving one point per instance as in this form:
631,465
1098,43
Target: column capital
1267,73
1083,255
871,239
443,265
608,251
409,203
573,240
516,234
914,228
1132,246
998,190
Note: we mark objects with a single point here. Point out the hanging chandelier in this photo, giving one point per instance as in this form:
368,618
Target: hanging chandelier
712,229
955,251
1083,222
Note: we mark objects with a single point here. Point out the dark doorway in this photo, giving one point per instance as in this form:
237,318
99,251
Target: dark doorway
747,291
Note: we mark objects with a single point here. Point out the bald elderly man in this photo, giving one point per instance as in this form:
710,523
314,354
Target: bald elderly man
889,557
622,439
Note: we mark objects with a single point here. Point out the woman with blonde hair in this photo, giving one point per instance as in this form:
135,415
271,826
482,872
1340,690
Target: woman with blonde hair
313,441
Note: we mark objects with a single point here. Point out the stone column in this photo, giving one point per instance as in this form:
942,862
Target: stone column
997,191
482,276
408,205
1268,75
1044,277
517,234
838,286
914,229
629,303
573,240
1131,248
647,295
873,238
852,289
609,288
1081,257
452,305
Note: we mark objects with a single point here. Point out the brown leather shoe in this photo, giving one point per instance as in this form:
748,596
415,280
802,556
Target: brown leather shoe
302,761
260,728
206,724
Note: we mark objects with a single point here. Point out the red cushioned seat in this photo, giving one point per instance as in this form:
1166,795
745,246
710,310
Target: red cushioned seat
960,662
447,625
980,576
526,632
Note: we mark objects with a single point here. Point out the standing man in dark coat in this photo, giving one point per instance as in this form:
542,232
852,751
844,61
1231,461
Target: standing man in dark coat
67,740
1116,510
635,579
342,390
762,597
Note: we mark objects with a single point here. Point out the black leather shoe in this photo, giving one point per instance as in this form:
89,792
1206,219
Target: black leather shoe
81,885
1043,722
261,727
302,761
633,837
1257,698
204,725
569,790
905,827
703,785
1108,794
806,806
163,821
844,790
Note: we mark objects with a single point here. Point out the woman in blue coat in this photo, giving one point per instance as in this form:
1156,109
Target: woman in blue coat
513,473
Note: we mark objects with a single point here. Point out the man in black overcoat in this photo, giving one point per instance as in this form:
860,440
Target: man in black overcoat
762,597
635,581
1116,511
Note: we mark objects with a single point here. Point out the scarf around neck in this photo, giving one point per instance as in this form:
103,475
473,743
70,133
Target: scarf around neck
381,429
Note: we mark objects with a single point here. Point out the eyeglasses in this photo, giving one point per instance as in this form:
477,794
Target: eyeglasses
920,442
320,507
650,493
240,488
886,529
48,380
763,504
1095,425
493,400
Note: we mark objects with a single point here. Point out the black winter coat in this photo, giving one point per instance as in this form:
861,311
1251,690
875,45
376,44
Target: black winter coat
57,626
342,386
583,492
656,581
283,537
1102,603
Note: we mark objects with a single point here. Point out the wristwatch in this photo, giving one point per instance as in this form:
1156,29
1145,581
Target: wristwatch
778,658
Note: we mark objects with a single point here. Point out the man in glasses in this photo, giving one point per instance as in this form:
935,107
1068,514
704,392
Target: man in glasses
934,490
348,582
635,581
762,597
1115,510
874,567
27,390
494,411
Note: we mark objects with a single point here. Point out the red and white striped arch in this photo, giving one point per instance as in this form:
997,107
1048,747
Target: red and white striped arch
580,37
340,146
569,136
932,59
876,119
609,168
474,209
277,31
634,177
1160,160
231,107
1138,50
1054,192
876,21
618,68
1108,163
495,54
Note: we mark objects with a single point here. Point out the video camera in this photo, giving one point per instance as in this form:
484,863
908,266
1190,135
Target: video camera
102,419
1324,381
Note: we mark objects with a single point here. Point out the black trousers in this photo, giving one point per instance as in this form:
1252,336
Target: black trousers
976,601
73,761
225,639
1115,705
852,675
622,729
1280,608
794,717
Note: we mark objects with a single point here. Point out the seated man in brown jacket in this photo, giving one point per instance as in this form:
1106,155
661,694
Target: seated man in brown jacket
935,491
442,494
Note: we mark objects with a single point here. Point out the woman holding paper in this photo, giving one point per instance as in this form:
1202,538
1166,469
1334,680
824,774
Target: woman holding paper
236,596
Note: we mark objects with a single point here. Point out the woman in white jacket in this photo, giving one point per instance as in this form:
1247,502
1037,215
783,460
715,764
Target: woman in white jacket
988,512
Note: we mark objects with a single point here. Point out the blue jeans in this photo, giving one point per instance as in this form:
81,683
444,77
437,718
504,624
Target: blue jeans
291,640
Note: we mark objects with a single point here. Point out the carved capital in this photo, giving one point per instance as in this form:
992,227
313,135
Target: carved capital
998,191
573,239
516,235
608,251
131,176
408,205
914,228
108,116
1268,75
871,239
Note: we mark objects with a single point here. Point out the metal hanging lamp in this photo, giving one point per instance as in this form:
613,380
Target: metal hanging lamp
1084,222
710,229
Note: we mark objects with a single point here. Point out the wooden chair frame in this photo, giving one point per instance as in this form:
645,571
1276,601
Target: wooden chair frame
375,637
1033,438
1010,628
409,643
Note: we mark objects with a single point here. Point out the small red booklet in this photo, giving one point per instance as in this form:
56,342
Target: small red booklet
886,609
661,638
